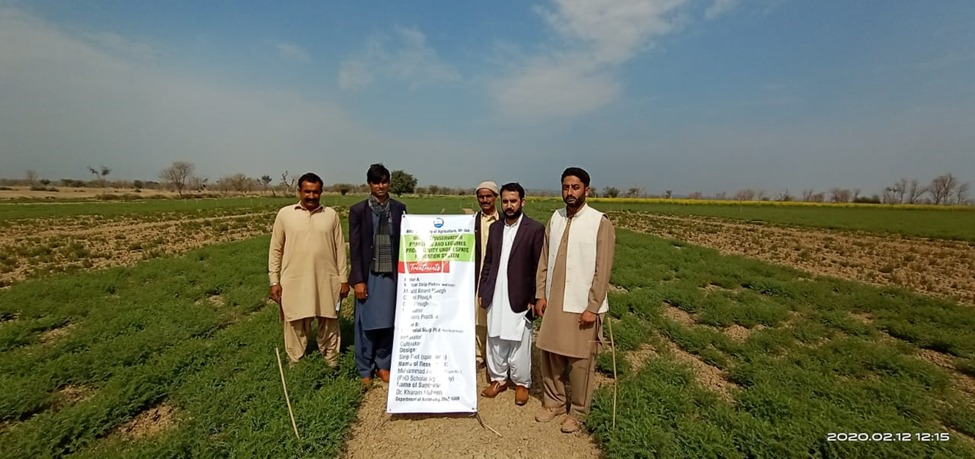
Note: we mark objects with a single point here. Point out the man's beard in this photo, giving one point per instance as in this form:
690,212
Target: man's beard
579,201
513,214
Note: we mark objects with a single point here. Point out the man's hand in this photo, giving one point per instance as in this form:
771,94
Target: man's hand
478,301
276,293
587,319
344,290
360,291
540,306
276,297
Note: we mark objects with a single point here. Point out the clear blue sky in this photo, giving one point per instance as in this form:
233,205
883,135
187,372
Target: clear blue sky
709,96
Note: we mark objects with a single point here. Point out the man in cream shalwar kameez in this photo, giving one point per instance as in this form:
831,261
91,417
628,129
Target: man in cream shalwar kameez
307,270
573,278
487,196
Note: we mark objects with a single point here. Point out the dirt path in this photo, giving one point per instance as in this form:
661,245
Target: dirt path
939,267
377,434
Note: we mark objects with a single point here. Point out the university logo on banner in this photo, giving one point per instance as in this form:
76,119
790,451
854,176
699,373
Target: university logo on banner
433,343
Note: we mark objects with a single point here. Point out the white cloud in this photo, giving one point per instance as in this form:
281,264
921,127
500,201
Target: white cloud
719,8
614,30
69,103
118,45
293,53
405,58
547,89
597,37
354,75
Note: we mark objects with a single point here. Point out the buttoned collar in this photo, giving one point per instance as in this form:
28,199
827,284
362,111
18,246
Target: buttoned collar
301,207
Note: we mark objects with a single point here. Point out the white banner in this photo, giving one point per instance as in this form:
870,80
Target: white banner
433,343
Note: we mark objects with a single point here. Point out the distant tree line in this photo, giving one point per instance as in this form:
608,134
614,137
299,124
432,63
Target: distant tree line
945,189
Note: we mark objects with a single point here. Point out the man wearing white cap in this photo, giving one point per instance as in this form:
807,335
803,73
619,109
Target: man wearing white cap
487,196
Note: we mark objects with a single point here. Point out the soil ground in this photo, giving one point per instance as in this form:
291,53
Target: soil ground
377,434
23,192
150,422
37,246
937,267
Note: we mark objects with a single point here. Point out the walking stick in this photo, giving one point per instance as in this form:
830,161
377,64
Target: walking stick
287,400
612,345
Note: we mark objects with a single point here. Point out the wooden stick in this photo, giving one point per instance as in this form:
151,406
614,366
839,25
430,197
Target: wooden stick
483,424
291,413
612,344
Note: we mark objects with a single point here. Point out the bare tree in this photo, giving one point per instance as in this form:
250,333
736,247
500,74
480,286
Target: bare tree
745,195
609,192
177,175
239,183
31,177
942,188
807,194
818,197
890,195
900,188
961,196
634,192
915,191
785,196
697,195
198,184
839,195
287,183
856,194
265,180
93,172
722,195
100,174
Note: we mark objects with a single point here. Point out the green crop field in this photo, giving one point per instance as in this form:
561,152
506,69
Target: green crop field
938,222
792,358
821,355
11,211
193,333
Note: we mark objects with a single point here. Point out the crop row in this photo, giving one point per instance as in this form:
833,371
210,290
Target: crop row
84,355
798,357
944,268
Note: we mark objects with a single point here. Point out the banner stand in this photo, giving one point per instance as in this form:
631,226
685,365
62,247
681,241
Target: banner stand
433,368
